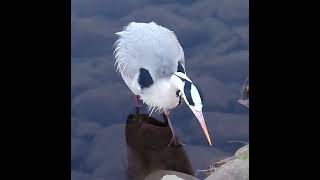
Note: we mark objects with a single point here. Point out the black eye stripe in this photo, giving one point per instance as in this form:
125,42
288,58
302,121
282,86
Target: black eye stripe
178,93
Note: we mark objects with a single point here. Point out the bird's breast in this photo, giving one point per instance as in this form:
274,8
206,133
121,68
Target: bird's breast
160,95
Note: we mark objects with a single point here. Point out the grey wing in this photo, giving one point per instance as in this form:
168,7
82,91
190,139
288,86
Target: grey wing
148,46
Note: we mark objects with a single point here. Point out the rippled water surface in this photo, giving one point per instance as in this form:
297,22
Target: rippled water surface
107,143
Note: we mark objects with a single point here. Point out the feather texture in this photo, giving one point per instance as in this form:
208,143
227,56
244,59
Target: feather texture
151,47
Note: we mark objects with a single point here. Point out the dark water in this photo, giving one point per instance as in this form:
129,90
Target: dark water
214,36
138,147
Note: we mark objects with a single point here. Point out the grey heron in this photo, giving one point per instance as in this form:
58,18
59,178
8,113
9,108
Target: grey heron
151,62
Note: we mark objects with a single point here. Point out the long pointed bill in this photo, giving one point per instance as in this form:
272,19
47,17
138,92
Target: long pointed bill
200,118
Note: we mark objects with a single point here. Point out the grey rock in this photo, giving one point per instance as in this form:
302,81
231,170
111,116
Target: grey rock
169,175
233,168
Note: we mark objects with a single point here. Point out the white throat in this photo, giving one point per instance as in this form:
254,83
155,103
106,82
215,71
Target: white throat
160,95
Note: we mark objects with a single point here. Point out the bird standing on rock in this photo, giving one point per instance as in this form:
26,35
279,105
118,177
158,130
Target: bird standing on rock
151,63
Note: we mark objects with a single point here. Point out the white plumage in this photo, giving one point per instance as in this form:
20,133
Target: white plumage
156,49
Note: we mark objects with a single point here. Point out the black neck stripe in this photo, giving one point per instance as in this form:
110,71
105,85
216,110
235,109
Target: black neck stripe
183,79
187,92
181,68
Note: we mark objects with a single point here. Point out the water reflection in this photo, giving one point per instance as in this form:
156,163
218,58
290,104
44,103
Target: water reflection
147,146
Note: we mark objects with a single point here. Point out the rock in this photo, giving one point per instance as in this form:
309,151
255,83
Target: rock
245,96
243,153
244,102
201,156
147,147
232,168
169,175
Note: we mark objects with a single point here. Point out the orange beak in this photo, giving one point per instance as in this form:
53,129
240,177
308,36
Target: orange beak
200,118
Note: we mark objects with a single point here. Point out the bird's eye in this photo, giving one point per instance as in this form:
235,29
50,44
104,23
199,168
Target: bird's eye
178,93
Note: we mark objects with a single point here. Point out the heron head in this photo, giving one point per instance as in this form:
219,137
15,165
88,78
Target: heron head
191,96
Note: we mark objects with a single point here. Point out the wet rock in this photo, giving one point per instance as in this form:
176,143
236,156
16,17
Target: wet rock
232,168
169,175
147,147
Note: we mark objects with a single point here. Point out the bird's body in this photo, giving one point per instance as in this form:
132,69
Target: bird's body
151,62
155,49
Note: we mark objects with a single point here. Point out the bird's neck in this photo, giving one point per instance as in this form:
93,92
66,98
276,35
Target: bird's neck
161,95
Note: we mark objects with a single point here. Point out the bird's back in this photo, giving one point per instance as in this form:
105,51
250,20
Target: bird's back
149,46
